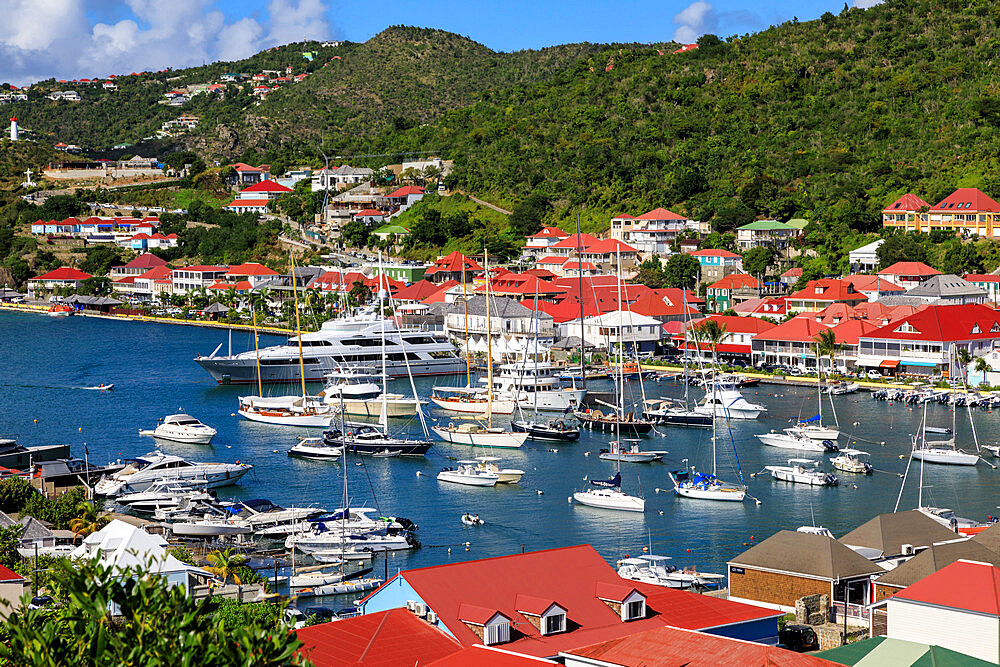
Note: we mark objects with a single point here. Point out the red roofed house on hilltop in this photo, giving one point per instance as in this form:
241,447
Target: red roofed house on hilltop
245,174
255,206
908,274
966,210
538,244
731,290
957,607
790,277
904,213
65,276
717,264
263,190
137,266
818,294
571,244
369,216
450,267
925,342
543,602
654,231
406,196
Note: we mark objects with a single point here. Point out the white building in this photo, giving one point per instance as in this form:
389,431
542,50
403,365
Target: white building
508,318
865,258
622,328
194,278
339,177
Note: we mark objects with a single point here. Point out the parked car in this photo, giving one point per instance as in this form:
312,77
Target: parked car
799,638
40,602
874,375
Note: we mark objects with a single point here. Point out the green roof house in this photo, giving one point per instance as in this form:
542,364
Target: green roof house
766,233
879,651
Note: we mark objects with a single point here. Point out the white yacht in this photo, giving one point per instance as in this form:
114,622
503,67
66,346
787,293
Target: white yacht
286,410
791,440
943,452
504,475
630,453
651,569
354,342
210,525
535,385
473,400
802,471
334,538
726,401
607,494
480,436
156,466
316,449
468,473
853,460
182,428
815,431
168,494
360,394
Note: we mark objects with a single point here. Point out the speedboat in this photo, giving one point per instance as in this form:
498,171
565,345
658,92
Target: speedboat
943,452
316,449
265,518
853,460
333,539
947,517
367,439
802,471
472,400
156,466
480,436
209,526
286,410
504,475
165,495
726,401
360,394
791,440
182,428
673,413
841,388
608,495
705,486
652,569
555,429
469,473
633,454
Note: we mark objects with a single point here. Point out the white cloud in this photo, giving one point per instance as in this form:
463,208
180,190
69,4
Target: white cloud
694,21
55,38
867,4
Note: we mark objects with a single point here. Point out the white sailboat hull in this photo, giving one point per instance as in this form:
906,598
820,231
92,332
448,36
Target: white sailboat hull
209,529
553,401
787,475
485,438
946,456
731,412
630,457
610,500
314,421
816,432
395,406
476,407
722,493
783,441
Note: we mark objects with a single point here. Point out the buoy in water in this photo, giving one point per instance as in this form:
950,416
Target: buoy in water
569,499
539,492
36,421
80,428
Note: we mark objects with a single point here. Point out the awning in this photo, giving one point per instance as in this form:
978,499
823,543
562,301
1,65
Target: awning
928,364
889,363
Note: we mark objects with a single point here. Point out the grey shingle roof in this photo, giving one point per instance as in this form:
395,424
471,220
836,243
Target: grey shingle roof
807,554
888,532
499,307
934,558
946,285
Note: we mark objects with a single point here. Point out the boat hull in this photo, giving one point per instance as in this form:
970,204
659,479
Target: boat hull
610,501
541,432
628,457
455,477
477,407
784,475
945,456
784,442
373,407
244,370
186,529
502,439
693,419
204,481
562,400
818,432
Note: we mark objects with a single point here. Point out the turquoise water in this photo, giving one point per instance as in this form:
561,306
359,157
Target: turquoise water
47,362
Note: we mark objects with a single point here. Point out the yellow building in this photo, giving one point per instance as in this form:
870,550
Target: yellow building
968,210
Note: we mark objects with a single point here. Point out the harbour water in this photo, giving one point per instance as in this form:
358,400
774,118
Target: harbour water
48,363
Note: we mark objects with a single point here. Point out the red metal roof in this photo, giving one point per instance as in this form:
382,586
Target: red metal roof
676,296
944,324
608,247
158,273
453,262
792,273
407,190
964,584
422,289
571,242
908,202
267,186
250,269
558,261
575,266
849,331
736,281
676,647
369,213
64,273
909,269
866,283
653,305
243,167
489,656
966,200
544,274
569,575
799,329
439,295
255,203
737,324
521,284
146,260
549,233
8,574
661,214
981,278
827,289
393,638
201,268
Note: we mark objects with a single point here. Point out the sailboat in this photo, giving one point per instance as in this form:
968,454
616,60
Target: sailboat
301,410
813,427
945,451
475,434
607,494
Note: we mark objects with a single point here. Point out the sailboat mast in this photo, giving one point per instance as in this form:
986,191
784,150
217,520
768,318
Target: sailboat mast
715,389
298,329
534,394
621,357
684,359
465,305
579,263
489,344
819,384
256,348
383,415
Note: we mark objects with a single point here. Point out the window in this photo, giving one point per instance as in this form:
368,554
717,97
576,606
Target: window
554,623
636,609
496,632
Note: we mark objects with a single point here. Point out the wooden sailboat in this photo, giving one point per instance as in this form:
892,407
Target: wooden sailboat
476,434
301,410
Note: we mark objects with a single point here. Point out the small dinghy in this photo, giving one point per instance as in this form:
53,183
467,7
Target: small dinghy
472,520
387,453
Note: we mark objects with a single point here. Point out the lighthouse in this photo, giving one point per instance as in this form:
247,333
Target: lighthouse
13,129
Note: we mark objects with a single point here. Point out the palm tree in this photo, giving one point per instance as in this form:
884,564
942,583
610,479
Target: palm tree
826,346
983,366
226,564
88,520
964,358
711,332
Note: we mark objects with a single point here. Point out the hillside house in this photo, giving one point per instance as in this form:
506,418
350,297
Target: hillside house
731,290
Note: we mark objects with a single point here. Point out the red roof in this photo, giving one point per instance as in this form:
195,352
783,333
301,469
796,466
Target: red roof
712,252
369,213
827,289
674,647
571,242
422,289
200,268
981,278
661,214
147,261
909,269
736,281
792,273
453,262
140,237
544,274
521,284
9,575
549,233
608,247
685,48
267,186
250,269
653,305
907,202
243,167
677,297
964,200
407,190
65,273
866,283
569,575
966,585
558,261
799,329
489,656
439,295
943,324
158,273
130,280
768,307
239,286
393,638
849,331
576,266
737,324
261,203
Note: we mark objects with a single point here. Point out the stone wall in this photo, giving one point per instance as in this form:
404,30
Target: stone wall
812,609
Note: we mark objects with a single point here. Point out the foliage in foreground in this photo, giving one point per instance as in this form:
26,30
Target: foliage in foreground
155,625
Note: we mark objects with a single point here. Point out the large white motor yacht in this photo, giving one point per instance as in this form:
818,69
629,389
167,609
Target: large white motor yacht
535,385
182,428
156,466
726,401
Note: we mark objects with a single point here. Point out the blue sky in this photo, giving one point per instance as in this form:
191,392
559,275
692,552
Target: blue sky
74,38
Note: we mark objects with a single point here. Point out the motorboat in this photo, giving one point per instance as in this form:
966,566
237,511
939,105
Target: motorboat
608,494
943,452
368,439
343,555
165,495
632,454
355,341
209,526
308,411
841,388
182,428
613,422
802,471
815,431
316,449
656,570
791,440
472,520
333,539
319,575
60,310
853,460
469,473
705,486
348,587
143,471
554,429
360,394
534,384
472,400
265,518
504,475
726,401
480,436
947,517
669,412
352,385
